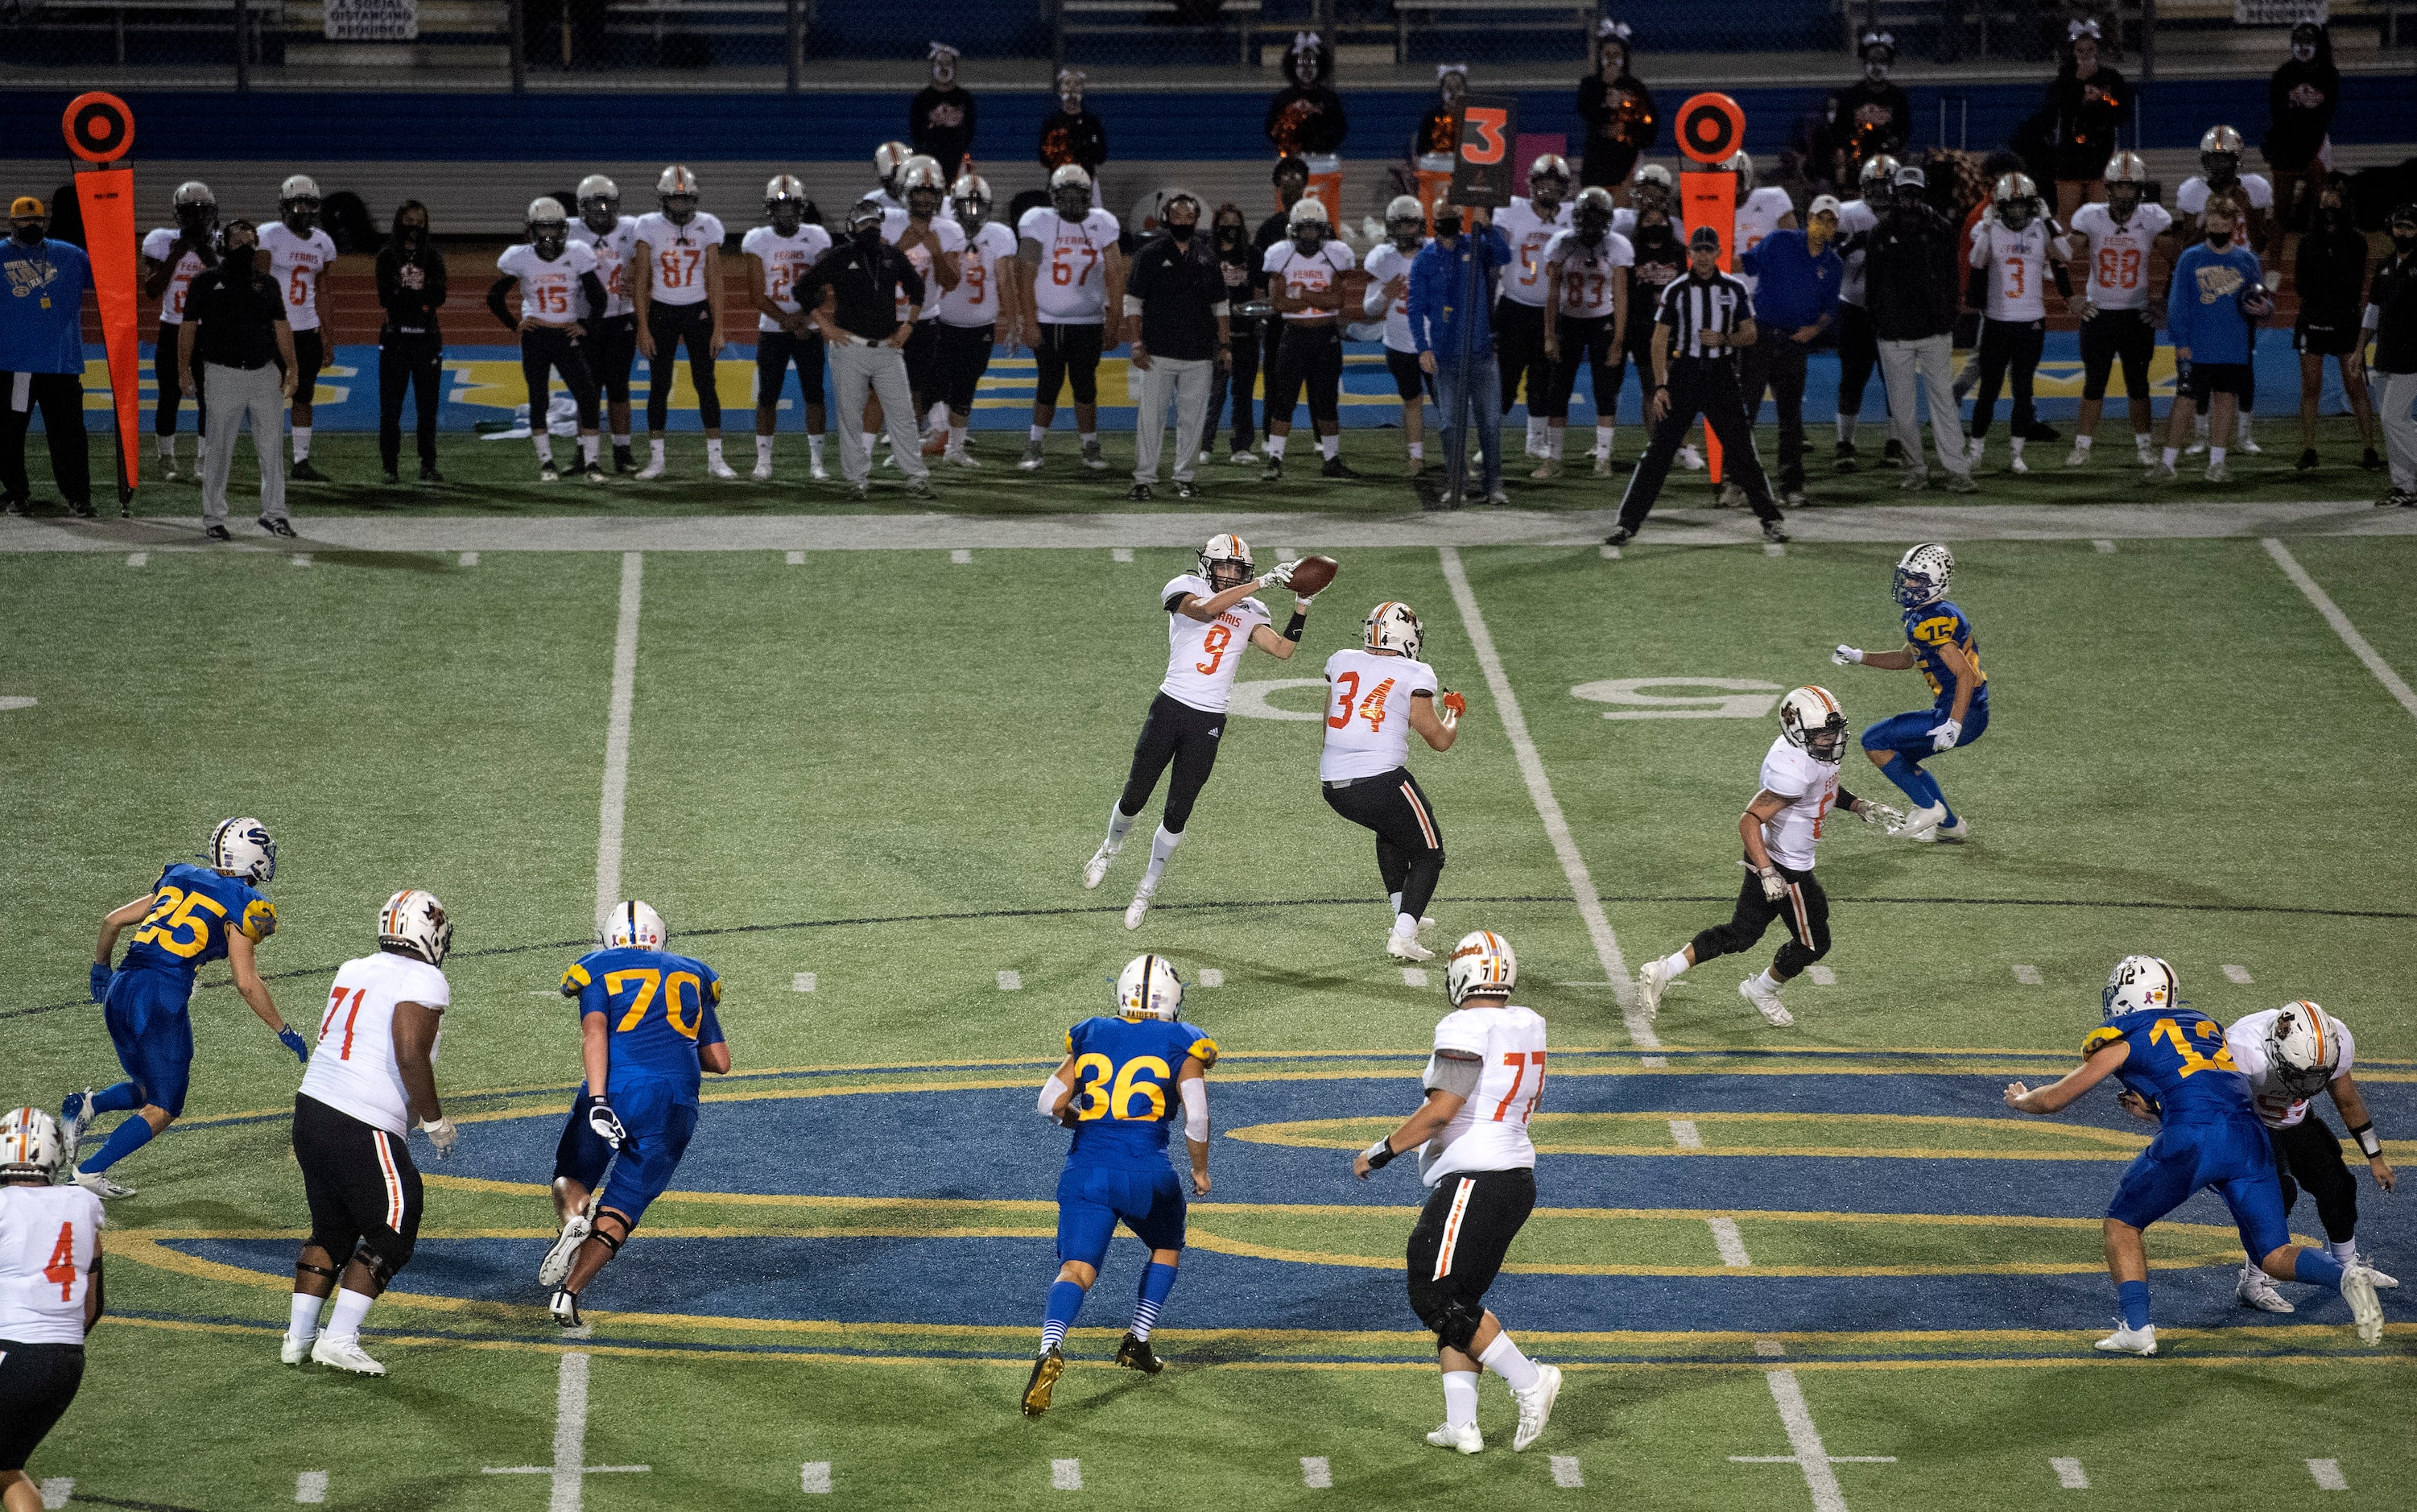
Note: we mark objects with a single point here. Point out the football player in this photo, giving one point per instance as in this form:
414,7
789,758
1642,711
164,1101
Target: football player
1585,323
171,255
1780,828
2117,319
974,313
1657,240
778,256
1939,644
1859,351
352,1117
612,336
192,916
1070,292
1388,298
1305,275
560,292
936,244
2211,1138
677,291
2290,1054
1112,1090
888,160
2252,196
1483,1084
2014,246
646,1029
1529,223
300,255
49,1295
1211,616
1377,693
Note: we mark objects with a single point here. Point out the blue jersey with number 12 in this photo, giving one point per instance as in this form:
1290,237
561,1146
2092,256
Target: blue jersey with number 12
192,911
658,1009
1939,624
1124,1088
2179,1061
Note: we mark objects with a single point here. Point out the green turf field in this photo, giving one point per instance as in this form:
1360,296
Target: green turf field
1757,1249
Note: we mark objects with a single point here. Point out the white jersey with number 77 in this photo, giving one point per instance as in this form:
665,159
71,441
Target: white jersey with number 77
1490,1131
1368,713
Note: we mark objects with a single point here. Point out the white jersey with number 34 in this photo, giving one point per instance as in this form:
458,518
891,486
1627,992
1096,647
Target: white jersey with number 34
1201,656
1368,713
353,1068
1490,1131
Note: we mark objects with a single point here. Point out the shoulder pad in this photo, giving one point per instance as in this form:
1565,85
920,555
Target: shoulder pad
575,979
259,920
2099,1038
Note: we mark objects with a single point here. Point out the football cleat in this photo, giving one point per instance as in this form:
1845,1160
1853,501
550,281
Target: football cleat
1091,458
2219,473
1549,468
304,473
1690,458
1140,493
1777,534
1045,1372
2365,1309
720,469
958,459
592,473
819,473
1922,824
1273,471
101,1187
1240,457
1731,496
75,1116
1184,489
1095,870
2381,1280
2246,442
2016,465
1464,1437
552,1271
546,473
1031,462
1335,467
1139,908
2307,462
2255,1289
918,488
2077,457
1962,483
762,471
212,533
1765,1003
653,470
1133,1354
1406,948
344,1355
2125,1340
1915,479
1651,982
2159,471
277,527
565,1307
1620,536
1603,467
2144,452
1955,834
292,1350
1536,1406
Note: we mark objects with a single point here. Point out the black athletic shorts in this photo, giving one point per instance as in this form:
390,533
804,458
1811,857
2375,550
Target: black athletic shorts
1068,354
2308,1156
965,356
924,363
309,355
2208,379
2327,339
1410,381
36,1383
1457,1249
776,352
362,1188
2110,334
612,348
542,348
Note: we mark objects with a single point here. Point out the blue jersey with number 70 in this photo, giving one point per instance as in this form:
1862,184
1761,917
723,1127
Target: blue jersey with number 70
1124,1088
194,909
658,1009
2179,1061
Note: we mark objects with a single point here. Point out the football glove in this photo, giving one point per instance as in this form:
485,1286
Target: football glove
1774,886
100,975
1878,813
1453,707
442,1134
1278,576
1846,656
292,1041
1943,736
605,1124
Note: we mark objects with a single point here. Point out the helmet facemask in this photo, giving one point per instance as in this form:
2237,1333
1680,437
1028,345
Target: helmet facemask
788,213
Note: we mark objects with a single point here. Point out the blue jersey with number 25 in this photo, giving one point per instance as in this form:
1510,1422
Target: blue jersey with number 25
658,1009
1124,1087
2178,1062
192,911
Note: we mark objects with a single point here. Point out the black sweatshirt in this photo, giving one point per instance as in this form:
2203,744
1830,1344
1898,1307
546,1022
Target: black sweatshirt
2330,270
409,311
866,283
1180,287
1910,275
940,122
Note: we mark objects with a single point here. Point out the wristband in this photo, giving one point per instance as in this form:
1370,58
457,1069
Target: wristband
2368,1145
1292,630
1380,1154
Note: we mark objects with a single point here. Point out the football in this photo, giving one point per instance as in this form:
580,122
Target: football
1312,574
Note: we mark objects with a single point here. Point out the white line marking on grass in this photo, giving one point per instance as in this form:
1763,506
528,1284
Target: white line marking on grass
962,557
1315,1473
310,1486
301,559
137,558
1653,1060
1686,1135
1120,554
802,982
1822,975
1610,553
56,1492
1211,976
1805,1440
1548,808
1065,1475
1011,981
2342,627
1726,1239
1566,1473
813,1478
2106,547
1770,1349
617,741
2027,976
2327,1475
1287,554
1773,549
1414,977
570,1431
793,558
18,701
2239,976
2069,1474
468,559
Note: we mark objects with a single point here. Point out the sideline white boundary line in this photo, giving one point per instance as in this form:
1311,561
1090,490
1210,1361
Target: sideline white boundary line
617,741
2391,680
1548,808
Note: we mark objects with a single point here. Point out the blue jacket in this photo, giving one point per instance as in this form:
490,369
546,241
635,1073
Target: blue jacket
41,306
1438,274
1797,289
2203,304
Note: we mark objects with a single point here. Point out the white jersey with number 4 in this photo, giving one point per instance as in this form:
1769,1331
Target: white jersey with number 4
1809,788
2246,1040
784,260
1201,657
2017,262
2118,255
353,1068
1524,280
974,302
1758,217
49,1238
296,262
1072,281
676,256
172,301
1490,1131
549,291
1368,712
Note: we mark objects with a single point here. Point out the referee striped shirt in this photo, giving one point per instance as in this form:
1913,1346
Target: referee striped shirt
1691,305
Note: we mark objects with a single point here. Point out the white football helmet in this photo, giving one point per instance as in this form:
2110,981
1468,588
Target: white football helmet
2303,1047
241,848
2140,983
1309,210
676,190
1231,552
549,226
1481,965
1148,988
1394,627
1548,177
1742,164
414,922
2017,199
888,158
600,203
1406,221
634,927
969,197
1813,722
923,175
30,1143
1923,574
1070,192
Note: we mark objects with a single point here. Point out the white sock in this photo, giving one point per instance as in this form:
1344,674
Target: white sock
2142,440
1405,923
2243,425
304,1323
1120,824
2346,1252
1038,433
1162,846
345,1323
1459,1396
2171,454
620,441
544,446
2015,445
301,442
713,449
1503,1358
1276,446
1329,447
1553,437
2081,444
764,450
1417,451
2215,456
2198,426
1765,982
1535,435
957,439
587,445
1603,440
1091,439
815,450
1394,899
1675,966
938,418
1846,428
654,448
167,449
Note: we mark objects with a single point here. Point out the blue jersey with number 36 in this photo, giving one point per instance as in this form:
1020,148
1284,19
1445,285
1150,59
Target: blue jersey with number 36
658,1009
1941,624
1124,1087
2178,1062
192,911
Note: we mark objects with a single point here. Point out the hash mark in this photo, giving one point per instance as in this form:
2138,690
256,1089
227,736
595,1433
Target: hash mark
1211,976
1315,1473
57,1490
2027,976
796,558
802,982
814,1478
468,559
137,558
1610,553
962,557
1566,1473
2237,975
1414,977
1120,554
1770,1349
2106,547
301,559
1065,1475
1009,981
1653,1060
1684,1134
2068,1474
1729,1243
1822,975
2327,1475
1773,549
310,1486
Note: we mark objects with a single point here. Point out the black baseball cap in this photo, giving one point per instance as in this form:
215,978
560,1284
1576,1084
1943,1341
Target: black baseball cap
1704,239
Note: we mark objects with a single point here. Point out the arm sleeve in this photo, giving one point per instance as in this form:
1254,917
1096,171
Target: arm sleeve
1420,272
1051,1091
1456,1072
1195,1108
592,288
495,300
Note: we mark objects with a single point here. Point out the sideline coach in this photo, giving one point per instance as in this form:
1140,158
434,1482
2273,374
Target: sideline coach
853,291
42,285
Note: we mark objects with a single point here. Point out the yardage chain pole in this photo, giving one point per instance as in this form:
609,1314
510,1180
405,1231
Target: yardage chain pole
1464,405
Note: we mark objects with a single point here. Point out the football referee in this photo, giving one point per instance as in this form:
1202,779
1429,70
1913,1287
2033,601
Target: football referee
1704,318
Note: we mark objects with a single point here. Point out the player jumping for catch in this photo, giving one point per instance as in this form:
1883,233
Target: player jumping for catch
1940,643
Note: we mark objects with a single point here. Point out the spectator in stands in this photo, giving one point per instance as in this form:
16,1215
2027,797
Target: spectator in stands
2087,104
234,329
411,348
2301,99
1237,261
1306,115
1912,280
1436,127
1868,119
1799,274
1072,134
1621,122
940,120
1437,312
2330,273
2391,318
42,285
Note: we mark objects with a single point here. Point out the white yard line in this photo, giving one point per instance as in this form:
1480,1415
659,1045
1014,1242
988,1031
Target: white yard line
1806,1441
467,559
310,1486
1731,1244
813,1478
137,558
1315,1473
1548,808
617,741
1065,1475
2069,1475
1566,1473
2392,681
1211,976
2328,1476
1822,975
570,1431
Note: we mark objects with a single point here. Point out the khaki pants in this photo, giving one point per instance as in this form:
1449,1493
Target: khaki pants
231,394
882,369
1931,362
2399,428
1187,382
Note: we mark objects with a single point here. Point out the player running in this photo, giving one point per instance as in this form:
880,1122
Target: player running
1112,1091
1781,828
2212,1138
191,916
1377,693
49,1295
2290,1054
1483,1084
1939,643
1206,612
375,1079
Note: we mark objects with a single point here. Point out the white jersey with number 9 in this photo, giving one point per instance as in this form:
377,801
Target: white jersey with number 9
1368,712
1201,658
